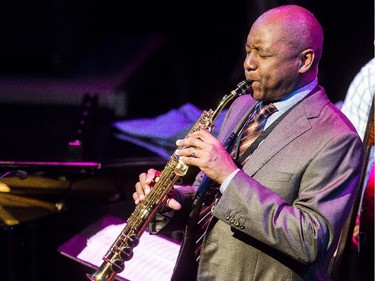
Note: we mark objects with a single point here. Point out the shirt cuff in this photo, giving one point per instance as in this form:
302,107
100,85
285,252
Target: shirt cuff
226,182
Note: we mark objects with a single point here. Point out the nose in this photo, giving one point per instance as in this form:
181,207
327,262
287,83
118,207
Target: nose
249,63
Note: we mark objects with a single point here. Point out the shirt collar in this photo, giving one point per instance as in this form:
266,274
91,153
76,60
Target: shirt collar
296,96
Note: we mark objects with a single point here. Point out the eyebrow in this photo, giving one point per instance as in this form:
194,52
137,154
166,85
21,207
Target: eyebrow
259,48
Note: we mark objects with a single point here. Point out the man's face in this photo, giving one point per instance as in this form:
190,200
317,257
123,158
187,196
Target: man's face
271,63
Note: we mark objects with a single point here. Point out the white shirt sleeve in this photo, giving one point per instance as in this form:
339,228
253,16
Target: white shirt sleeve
226,182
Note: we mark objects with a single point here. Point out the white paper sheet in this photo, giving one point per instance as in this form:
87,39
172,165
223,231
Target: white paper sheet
154,258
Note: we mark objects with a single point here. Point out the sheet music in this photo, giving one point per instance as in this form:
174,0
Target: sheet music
154,258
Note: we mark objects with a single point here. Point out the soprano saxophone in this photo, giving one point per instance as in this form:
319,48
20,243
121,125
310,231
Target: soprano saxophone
122,248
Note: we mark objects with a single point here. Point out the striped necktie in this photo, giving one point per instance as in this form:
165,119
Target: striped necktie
205,216
251,130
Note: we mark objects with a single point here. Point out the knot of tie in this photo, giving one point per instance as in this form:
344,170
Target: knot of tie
263,111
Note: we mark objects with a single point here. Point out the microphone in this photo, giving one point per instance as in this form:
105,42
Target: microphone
18,173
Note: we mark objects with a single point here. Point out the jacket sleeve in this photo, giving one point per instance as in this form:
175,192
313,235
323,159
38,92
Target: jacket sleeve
299,212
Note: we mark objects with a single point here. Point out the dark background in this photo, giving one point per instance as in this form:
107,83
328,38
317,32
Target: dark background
166,54
140,59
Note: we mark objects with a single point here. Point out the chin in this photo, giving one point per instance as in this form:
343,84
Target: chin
257,95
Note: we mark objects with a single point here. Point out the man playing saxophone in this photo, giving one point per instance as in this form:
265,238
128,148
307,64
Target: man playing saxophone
282,200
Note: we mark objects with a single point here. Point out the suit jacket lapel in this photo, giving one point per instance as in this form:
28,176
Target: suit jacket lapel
242,114
285,133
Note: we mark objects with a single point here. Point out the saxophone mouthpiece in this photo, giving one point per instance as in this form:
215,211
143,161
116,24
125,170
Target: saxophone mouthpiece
244,87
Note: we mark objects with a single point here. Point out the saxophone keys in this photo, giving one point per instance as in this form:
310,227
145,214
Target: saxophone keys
126,254
181,168
133,241
118,266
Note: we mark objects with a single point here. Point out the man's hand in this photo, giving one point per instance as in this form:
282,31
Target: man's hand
144,185
203,150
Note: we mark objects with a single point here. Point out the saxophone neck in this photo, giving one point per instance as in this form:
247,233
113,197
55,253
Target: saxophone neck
224,101
243,87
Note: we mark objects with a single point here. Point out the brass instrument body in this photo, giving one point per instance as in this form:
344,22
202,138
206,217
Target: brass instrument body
122,248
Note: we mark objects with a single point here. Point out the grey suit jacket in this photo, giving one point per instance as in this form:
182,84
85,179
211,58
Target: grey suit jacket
281,216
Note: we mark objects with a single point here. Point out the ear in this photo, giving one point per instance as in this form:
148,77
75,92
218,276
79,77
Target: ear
306,58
